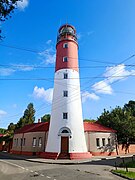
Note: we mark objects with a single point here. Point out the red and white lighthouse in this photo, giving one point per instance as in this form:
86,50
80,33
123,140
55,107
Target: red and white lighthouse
66,132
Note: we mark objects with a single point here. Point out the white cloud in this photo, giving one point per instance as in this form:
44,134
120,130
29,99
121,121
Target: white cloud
6,71
2,113
49,42
86,95
14,68
48,56
22,4
111,75
21,67
41,93
115,73
79,36
102,87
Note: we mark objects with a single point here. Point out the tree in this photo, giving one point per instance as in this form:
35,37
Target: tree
6,9
130,106
89,120
28,117
11,129
122,120
2,131
45,118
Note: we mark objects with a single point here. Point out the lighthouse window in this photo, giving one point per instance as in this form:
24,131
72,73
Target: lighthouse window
65,59
65,115
65,93
65,45
65,75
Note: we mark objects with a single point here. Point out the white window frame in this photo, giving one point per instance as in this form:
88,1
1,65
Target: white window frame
34,142
39,141
24,141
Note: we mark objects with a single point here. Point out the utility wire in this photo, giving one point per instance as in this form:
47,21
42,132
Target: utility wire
120,63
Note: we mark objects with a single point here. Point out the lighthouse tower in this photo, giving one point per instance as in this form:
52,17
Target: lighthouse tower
66,132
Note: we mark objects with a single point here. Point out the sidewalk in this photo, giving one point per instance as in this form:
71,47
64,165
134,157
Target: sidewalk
64,161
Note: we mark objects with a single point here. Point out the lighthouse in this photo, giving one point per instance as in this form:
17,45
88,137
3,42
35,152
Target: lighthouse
66,132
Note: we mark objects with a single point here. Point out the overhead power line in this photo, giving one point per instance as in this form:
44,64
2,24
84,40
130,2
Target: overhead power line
46,53
45,79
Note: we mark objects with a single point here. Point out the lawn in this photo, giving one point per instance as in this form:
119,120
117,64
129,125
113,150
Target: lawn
126,174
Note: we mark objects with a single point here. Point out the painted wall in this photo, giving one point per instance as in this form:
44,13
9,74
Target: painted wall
70,104
28,146
92,145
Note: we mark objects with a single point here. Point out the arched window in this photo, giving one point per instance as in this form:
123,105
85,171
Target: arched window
65,131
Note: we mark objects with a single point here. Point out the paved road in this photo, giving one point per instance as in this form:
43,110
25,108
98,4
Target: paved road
19,169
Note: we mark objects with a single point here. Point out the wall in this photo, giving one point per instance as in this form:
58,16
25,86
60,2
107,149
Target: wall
100,150
28,147
126,149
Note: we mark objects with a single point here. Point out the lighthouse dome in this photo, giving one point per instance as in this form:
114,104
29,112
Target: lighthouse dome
65,31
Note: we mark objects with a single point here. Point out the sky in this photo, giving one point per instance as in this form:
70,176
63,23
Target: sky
106,38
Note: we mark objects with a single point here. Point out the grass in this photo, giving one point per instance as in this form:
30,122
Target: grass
126,174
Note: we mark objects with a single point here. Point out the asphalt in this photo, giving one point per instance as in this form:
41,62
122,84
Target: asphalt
65,161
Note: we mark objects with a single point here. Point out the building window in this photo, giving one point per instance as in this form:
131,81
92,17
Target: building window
34,142
103,141
65,93
65,45
65,75
109,141
65,115
17,142
14,142
97,142
40,141
65,59
24,141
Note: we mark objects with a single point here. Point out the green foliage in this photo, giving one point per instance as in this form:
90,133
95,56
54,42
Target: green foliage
89,120
6,9
122,120
46,118
2,131
129,174
28,117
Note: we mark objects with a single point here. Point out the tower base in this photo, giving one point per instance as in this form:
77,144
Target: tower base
71,156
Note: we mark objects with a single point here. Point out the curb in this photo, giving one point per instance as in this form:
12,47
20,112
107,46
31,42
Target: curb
120,175
64,163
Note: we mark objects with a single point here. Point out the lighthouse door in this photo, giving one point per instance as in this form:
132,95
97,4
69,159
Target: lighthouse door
64,144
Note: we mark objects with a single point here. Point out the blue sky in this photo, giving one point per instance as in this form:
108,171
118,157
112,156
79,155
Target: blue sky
106,36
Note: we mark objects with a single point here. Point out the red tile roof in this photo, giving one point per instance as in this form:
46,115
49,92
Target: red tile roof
35,127
41,127
1,135
96,127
